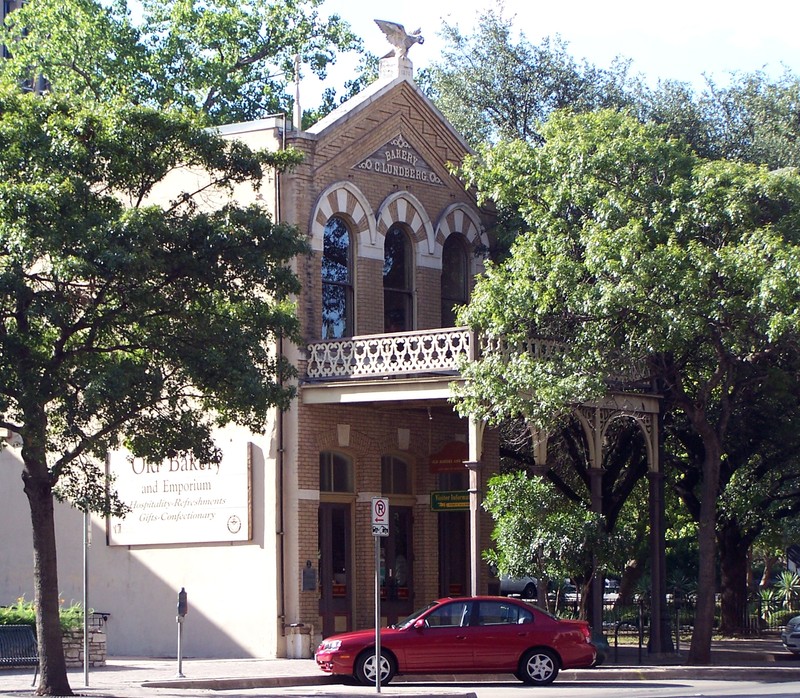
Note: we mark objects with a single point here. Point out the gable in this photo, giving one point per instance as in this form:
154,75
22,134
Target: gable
394,131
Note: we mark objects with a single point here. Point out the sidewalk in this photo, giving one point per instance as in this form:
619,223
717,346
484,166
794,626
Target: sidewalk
752,659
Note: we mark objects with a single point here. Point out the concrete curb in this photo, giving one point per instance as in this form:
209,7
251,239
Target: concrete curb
616,673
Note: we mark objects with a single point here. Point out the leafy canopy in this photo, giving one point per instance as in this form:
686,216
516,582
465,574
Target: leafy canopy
495,84
538,531
230,60
634,248
121,317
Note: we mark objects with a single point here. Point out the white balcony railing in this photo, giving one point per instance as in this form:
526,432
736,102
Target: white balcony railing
422,351
435,351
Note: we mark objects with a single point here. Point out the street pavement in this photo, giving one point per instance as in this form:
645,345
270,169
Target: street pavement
752,659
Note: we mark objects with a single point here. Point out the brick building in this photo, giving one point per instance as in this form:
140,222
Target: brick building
284,553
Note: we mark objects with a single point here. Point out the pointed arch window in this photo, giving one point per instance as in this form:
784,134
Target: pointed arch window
337,280
455,277
398,277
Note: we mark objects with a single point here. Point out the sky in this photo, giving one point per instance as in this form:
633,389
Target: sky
668,39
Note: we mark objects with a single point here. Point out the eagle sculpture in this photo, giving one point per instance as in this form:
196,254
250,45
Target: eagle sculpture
399,38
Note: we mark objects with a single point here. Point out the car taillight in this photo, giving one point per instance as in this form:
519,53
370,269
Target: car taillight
586,634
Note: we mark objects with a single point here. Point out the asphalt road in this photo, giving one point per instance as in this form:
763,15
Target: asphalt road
564,689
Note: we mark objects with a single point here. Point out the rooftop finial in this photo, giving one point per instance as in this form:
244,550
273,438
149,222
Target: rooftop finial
399,38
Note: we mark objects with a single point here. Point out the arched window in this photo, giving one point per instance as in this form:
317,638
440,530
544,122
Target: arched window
335,472
397,281
337,281
455,277
395,476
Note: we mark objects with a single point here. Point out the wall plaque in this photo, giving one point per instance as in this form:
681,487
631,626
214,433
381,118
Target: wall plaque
398,159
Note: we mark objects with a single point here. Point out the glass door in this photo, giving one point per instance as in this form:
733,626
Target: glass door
335,573
397,597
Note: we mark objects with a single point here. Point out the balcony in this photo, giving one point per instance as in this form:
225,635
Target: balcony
436,352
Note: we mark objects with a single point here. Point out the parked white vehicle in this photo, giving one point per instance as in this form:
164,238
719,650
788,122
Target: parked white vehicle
525,587
790,636
611,591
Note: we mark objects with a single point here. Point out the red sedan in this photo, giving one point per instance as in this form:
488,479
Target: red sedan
481,634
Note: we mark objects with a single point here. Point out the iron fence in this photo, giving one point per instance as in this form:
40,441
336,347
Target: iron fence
753,617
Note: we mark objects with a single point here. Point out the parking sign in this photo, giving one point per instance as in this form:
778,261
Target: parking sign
380,516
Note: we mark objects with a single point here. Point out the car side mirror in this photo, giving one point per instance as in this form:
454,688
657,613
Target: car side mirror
420,624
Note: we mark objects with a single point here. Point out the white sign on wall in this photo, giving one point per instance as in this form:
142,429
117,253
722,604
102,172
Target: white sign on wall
181,500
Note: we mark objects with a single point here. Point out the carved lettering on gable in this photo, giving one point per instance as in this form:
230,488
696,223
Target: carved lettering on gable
398,159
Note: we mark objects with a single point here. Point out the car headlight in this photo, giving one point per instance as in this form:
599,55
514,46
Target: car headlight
330,645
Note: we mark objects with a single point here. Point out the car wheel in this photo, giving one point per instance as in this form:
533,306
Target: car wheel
529,591
365,668
538,667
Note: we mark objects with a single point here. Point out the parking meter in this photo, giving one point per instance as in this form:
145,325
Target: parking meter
183,609
183,604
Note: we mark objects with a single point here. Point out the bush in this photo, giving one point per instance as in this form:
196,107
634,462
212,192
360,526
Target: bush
24,613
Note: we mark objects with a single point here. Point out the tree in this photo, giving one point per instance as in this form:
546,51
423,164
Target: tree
493,85
759,480
124,322
752,119
230,60
538,531
567,469
638,253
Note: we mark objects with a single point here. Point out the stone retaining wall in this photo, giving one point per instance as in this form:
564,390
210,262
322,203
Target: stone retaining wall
73,643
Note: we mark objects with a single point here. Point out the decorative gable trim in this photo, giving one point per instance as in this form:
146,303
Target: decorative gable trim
397,158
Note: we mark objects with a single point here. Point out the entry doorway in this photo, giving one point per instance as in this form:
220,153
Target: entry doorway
453,543
453,540
335,567
397,591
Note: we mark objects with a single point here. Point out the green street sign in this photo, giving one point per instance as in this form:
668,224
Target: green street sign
455,500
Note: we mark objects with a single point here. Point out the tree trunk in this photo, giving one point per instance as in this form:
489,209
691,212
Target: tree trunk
733,555
766,577
700,648
38,488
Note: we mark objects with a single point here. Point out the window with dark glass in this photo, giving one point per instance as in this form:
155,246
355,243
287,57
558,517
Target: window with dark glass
337,281
455,613
455,278
397,281
395,476
502,613
335,472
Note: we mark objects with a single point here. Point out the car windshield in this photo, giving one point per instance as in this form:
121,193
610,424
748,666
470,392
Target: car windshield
409,620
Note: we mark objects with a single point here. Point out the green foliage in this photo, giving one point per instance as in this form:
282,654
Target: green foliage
538,531
494,85
640,260
23,612
634,247
230,60
120,317
787,589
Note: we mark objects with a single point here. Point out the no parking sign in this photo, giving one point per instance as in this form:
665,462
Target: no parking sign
380,516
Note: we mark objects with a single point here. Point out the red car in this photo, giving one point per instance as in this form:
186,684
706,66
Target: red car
480,634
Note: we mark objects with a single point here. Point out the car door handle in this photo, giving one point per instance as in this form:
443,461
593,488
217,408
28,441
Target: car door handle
461,637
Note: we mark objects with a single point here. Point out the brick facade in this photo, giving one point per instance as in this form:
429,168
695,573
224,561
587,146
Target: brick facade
338,178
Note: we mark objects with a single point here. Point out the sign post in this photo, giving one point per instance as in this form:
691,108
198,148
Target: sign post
380,529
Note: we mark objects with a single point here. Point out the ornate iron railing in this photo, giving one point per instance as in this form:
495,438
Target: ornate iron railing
436,351
399,353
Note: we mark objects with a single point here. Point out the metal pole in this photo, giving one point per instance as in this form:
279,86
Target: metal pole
377,614
183,609
179,619
86,522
